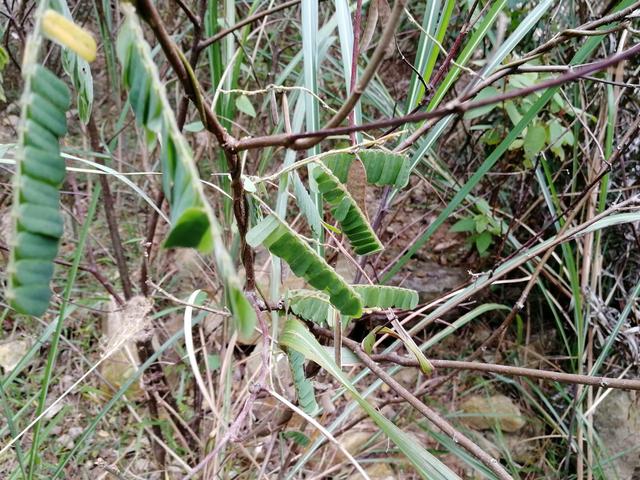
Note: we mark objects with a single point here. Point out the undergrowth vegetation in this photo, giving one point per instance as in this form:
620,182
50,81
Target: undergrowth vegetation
319,239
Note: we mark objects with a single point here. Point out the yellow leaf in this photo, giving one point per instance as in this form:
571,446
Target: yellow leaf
63,31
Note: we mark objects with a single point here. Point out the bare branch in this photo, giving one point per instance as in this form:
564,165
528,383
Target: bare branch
458,105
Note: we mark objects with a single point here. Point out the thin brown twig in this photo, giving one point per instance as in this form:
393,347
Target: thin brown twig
433,416
459,105
309,141
109,212
561,377
247,21
197,22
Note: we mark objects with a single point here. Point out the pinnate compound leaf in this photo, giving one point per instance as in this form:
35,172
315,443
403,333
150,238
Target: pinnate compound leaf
304,262
193,223
382,167
345,210
37,222
314,306
303,386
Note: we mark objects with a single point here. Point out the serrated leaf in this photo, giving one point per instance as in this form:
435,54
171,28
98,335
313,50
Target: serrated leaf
245,106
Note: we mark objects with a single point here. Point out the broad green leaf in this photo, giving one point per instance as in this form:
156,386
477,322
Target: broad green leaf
483,240
304,262
479,112
345,210
298,437
314,306
467,224
534,140
245,106
295,336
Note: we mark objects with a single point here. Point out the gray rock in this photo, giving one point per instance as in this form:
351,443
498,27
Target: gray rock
617,423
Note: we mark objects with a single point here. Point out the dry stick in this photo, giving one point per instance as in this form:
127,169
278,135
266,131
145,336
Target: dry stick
605,382
109,211
433,416
458,105
234,428
197,22
253,18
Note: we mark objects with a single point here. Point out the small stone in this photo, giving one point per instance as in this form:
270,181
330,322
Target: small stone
11,353
485,413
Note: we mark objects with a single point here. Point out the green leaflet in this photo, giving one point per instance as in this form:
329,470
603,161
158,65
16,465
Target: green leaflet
345,210
193,224
382,167
310,305
314,306
40,171
304,262
380,296
304,388
295,336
